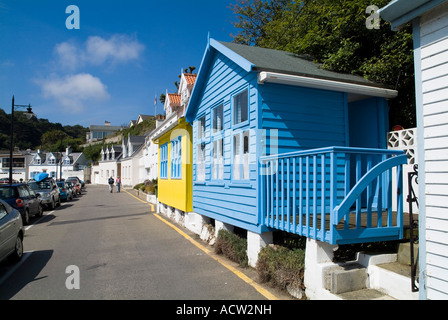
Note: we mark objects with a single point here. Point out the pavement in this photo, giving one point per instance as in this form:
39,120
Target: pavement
122,250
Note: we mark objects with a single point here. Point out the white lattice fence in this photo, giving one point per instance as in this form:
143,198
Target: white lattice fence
405,140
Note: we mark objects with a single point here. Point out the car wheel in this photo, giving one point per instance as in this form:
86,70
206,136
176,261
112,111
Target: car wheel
26,217
18,250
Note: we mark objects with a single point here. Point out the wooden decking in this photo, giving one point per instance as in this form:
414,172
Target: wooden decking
350,224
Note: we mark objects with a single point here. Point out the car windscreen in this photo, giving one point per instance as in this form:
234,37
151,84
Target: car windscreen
8,193
40,185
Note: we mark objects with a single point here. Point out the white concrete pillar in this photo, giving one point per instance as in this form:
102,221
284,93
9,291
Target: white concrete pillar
255,242
195,222
318,256
222,226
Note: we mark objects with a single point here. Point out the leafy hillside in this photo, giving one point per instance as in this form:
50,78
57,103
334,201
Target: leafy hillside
93,152
28,134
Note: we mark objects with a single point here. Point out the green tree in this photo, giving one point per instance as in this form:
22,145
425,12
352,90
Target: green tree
28,132
93,152
334,33
54,140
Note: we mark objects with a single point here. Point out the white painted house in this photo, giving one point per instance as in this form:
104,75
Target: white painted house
132,166
71,164
151,158
21,161
430,25
108,166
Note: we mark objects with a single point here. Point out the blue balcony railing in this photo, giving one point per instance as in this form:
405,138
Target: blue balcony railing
336,195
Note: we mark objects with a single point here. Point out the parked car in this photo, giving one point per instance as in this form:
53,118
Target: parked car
48,190
11,232
64,191
71,185
22,198
6,181
77,182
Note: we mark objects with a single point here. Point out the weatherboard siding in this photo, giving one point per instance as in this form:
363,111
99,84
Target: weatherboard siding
434,72
305,118
300,118
227,200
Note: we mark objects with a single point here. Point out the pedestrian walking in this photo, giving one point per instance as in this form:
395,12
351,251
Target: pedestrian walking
111,184
118,182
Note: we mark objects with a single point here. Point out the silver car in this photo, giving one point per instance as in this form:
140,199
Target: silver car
48,191
11,232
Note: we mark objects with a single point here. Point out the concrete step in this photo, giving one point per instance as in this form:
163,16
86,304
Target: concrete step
350,282
345,278
389,276
372,277
404,253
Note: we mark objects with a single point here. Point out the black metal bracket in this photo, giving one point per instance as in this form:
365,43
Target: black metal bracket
411,199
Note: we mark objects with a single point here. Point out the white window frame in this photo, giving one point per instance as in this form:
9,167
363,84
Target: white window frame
237,111
241,155
176,158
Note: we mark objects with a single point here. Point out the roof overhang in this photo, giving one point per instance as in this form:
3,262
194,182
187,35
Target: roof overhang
400,12
322,84
213,46
166,126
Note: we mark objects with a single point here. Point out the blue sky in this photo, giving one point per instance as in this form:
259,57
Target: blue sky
110,69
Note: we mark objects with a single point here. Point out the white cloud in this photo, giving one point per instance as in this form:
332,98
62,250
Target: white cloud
119,48
75,92
98,51
68,55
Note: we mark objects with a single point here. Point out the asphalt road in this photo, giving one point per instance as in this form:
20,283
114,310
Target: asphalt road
110,246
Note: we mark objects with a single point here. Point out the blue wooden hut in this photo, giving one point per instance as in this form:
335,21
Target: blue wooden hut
281,144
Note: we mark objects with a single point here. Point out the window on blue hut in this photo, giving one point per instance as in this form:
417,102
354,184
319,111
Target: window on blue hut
241,107
200,164
218,160
218,116
241,156
201,128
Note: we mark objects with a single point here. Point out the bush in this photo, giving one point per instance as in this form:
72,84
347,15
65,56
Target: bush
282,267
139,186
232,246
149,187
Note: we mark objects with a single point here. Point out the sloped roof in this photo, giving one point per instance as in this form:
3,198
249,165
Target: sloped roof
282,67
264,59
400,12
136,139
190,78
175,99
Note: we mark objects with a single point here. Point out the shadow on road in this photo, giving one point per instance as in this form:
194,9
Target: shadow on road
21,274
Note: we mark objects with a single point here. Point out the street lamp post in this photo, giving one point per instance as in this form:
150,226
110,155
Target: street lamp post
29,114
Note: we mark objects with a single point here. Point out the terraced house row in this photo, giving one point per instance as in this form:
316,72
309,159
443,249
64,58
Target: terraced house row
265,141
